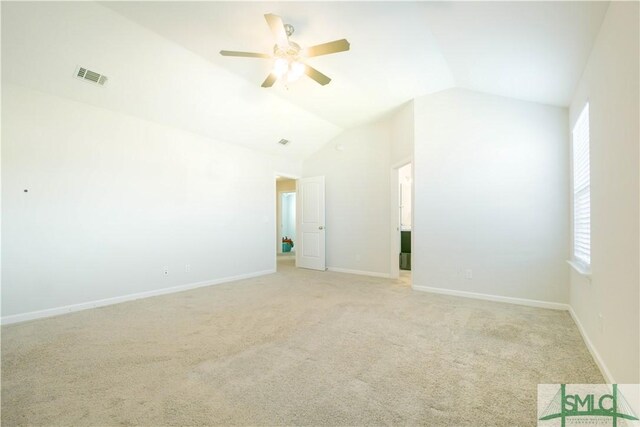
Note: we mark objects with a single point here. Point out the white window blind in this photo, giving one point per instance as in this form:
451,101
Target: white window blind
581,190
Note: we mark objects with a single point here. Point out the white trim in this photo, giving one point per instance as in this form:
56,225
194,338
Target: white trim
286,176
580,268
594,353
23,317
403,162
394,238
498,298
360,272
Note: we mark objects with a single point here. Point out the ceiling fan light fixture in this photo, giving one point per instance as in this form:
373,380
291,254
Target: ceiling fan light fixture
287,54
296,70
280,67
288,70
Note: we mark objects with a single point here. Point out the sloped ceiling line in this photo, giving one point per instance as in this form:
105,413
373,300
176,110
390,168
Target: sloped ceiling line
533,51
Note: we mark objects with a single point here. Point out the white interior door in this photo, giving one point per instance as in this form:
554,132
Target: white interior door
310,219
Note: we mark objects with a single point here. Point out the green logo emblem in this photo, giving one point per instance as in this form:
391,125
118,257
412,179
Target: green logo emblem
587,404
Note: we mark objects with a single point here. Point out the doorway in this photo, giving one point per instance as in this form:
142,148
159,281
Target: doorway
286,236
288,222
402,221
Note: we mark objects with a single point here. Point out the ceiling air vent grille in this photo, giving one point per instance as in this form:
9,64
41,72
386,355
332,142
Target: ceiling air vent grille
91,76
283,142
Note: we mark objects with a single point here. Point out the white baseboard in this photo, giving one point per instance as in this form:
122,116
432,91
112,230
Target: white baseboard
497,298
360,272
594,353
23,317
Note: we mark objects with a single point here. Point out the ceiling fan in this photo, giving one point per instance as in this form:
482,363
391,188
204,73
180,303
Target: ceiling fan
289,56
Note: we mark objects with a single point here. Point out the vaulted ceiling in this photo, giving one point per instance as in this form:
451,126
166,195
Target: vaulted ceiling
399,50
164,64
393,55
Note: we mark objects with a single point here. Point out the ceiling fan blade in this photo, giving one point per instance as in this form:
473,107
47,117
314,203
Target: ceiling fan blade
270,80
277,28
316,75
244,54
327,48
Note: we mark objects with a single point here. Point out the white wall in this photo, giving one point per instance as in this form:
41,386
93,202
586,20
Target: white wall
610,84
113,199
361,196
357,197
402,134
491,180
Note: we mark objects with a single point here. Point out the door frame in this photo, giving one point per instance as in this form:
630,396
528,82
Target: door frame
276,195
394,227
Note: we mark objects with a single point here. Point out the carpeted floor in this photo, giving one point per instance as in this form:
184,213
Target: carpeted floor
299,348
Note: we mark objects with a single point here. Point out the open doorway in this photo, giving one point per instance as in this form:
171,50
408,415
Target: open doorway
402,221
288,222
286,237
405,178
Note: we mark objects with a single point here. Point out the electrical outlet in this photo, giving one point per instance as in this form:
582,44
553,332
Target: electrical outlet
468,274
166,271
187,268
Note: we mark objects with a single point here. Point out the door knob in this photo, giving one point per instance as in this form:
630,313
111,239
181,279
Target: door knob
321,227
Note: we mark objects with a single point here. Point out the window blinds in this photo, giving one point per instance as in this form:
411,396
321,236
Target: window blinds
581,190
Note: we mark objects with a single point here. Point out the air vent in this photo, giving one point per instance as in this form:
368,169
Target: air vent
91,76
283,142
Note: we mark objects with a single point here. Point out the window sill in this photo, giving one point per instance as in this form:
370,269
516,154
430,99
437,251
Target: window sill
580,268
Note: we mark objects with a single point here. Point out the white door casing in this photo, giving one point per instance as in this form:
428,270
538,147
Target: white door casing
310,224
395,214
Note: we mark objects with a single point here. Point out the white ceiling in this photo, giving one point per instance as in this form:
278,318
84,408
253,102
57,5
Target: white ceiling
399,50
163,62
393,56
534,51
148,77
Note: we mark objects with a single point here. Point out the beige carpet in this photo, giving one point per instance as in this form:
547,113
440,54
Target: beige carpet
297,347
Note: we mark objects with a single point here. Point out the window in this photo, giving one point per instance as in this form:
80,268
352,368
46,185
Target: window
581,191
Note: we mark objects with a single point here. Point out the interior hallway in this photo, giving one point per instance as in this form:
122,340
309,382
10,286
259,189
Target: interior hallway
295,347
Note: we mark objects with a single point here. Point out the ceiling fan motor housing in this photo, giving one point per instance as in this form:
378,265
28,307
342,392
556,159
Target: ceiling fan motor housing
289,29
291,51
